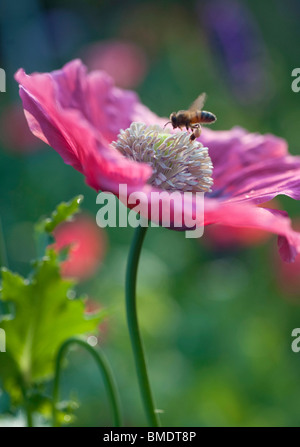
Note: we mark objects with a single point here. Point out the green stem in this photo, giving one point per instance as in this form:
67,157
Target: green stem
26,405
104,369
29,416
132,321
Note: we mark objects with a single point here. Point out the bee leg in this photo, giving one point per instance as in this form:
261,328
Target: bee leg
196,132
197,128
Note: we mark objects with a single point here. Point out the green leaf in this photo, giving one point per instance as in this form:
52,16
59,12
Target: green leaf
44,228
45,316
63,212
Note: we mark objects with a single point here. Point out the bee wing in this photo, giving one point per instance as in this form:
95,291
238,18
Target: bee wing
199,102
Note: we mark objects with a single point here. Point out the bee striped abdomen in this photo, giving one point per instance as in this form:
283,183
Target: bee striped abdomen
207,117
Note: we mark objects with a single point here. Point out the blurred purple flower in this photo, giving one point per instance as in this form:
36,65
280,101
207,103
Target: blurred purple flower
66,30
235,38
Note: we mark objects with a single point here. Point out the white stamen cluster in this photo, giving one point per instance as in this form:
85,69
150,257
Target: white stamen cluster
178,163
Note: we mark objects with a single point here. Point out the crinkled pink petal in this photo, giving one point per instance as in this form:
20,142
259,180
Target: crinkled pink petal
247,215
105,107
58,112
143,114
251,167
107,172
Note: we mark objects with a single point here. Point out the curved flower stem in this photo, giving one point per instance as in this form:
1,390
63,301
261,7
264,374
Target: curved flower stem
104,369
27,408
132,321
29,418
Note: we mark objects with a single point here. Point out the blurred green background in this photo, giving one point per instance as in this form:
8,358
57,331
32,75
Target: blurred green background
216,321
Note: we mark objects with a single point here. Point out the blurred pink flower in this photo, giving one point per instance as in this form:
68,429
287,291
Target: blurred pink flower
87,245
124,61
14,132
80,114
288,275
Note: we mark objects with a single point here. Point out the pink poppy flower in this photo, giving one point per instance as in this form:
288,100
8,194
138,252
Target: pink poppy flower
81,114
87,245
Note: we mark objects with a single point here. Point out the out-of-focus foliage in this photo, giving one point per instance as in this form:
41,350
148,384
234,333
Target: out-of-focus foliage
45,314
216,323
64,212
38,314
45,226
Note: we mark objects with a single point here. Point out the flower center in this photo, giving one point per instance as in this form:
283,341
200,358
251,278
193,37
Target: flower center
178,163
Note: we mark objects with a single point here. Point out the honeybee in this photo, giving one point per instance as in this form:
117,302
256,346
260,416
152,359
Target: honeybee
192,117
